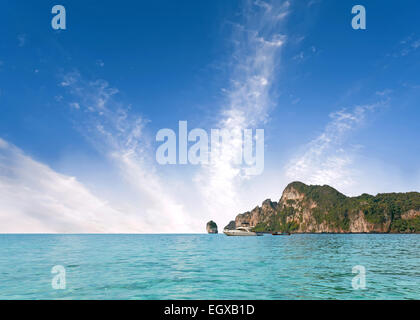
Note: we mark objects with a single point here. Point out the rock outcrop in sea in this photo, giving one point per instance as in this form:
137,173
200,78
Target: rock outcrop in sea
322,209
231,225
211,227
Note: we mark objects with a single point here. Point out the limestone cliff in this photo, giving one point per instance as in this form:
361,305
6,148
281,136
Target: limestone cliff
211,227
322,209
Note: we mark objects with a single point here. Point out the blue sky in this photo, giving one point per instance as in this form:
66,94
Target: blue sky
80,108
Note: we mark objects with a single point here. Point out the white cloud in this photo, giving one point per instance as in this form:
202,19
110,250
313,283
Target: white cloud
74,105
304,55
313,2
248,105
328,159
384,92
120,135
35,198
299,56
21,40
263,4
415,44
407,46
70,78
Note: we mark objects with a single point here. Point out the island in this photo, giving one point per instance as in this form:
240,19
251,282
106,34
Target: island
322,209
211,227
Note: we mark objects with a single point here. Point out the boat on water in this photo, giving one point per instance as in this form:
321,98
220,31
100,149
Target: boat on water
280,233
241,231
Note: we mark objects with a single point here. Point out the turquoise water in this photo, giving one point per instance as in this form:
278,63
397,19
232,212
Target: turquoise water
210,266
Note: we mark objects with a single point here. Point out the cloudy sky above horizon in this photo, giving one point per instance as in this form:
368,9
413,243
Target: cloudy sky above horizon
80,108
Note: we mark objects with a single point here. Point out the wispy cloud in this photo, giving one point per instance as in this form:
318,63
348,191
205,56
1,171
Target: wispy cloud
328,159
300,56
35,198
313,2
305,54
407,46
248,104
119,134
21,40
100,63
384,93
74,105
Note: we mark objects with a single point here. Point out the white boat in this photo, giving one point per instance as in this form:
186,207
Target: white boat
241,231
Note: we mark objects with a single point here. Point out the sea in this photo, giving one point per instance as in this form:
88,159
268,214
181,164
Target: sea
208,266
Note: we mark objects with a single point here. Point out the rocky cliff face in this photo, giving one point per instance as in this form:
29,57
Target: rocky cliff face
231,225
211,227
322,209
261,214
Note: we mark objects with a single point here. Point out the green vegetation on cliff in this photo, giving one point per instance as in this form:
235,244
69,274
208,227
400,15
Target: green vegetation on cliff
331,210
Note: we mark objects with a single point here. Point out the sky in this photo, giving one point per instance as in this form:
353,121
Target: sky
80,108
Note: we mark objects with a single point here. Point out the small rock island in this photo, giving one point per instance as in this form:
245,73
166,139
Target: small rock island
211,227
